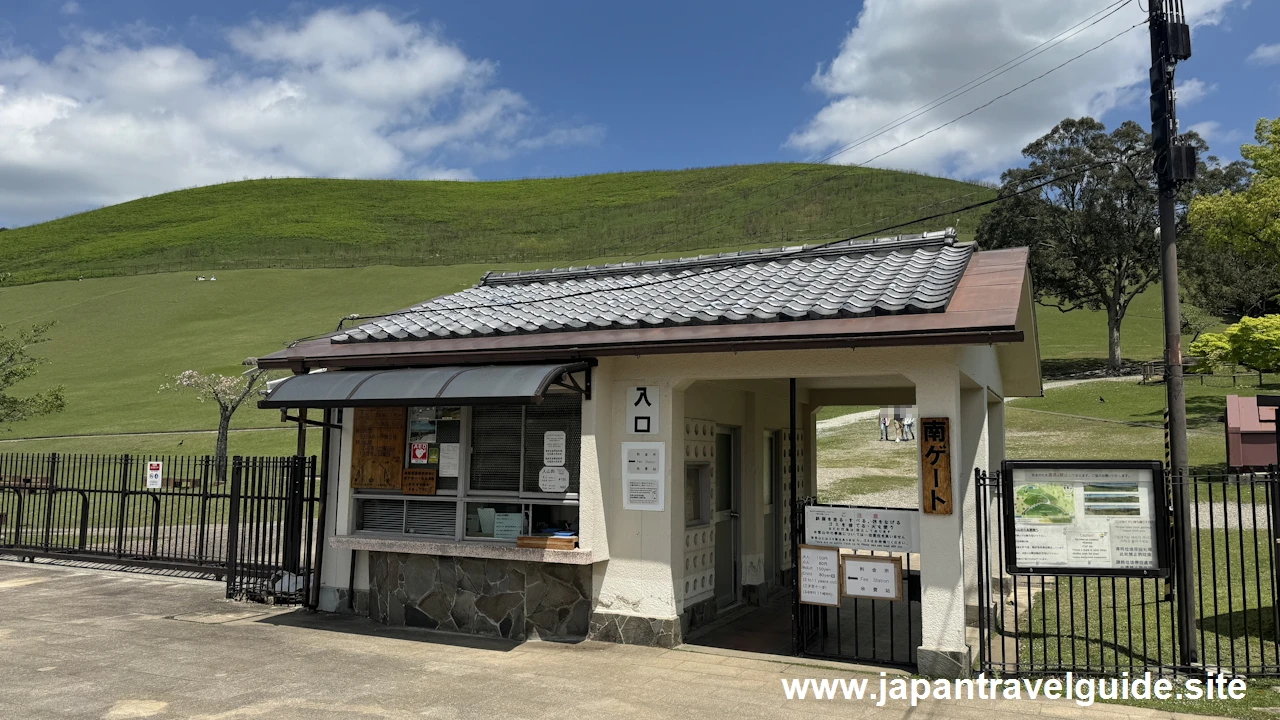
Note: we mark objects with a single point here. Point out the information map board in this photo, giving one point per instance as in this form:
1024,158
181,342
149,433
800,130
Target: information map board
1085,518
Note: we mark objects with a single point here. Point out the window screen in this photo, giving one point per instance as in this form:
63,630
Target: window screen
495,448
558,413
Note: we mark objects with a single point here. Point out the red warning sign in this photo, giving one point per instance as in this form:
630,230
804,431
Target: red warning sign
420,453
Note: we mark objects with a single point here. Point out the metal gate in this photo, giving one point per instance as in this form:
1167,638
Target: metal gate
879,632
271,535
1051,624
250,521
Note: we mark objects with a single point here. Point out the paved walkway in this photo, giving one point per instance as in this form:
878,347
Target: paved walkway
94,644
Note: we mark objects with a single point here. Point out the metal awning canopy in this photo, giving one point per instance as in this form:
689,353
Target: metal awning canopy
457,385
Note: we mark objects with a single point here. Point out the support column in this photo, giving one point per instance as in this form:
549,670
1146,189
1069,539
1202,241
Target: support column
634,590
943,650
341,589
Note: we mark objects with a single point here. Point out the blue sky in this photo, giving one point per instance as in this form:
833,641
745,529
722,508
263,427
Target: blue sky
106,101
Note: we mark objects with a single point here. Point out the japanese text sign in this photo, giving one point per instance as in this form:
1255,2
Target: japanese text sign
642,409
935,466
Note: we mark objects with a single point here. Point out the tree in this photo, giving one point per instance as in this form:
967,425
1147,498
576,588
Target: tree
1242,226
1091,231
1252,342
228,391
1194,321
16,365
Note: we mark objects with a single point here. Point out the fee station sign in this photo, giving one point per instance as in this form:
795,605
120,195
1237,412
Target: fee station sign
1085,518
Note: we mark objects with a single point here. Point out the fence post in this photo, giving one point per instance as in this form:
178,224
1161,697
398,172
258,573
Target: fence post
204,510
233,526
50,489
123,505
292,539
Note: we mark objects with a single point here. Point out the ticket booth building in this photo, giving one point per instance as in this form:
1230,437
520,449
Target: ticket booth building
614,452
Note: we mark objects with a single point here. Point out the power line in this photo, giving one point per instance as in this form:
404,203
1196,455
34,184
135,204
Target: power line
973,84
980,81
849,168
812,187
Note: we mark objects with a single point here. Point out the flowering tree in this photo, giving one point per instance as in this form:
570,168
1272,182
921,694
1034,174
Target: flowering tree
228,391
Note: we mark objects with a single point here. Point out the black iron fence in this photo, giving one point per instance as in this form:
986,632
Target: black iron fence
1050,624
246,520
272,544
860,629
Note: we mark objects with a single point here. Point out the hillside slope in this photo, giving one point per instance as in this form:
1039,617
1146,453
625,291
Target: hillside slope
304,223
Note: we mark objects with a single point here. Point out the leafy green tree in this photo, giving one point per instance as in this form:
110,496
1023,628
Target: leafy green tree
1252,342
17,364
1091,231
1248,219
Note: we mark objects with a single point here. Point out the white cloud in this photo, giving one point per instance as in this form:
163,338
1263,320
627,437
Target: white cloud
70,8
1193,89
337,93
1208,129
1265,54
902,54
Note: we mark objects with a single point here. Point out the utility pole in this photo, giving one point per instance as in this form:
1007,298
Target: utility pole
1175,164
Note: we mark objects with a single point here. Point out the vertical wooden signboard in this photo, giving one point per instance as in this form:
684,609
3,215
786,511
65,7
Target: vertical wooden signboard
377,449
935,465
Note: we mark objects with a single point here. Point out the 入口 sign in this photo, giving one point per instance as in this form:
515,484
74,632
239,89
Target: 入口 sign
642,409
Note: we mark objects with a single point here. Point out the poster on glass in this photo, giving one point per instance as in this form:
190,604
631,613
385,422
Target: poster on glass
1085,518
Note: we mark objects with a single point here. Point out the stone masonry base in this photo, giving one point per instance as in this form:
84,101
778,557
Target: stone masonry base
511,599
636,630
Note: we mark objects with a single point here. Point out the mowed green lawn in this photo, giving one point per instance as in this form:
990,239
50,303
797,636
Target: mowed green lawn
118,339
249,443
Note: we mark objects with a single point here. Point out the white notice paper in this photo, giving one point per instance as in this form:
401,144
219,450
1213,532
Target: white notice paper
507,525
553,448
819,576
860,528
449,459
155,473
643,476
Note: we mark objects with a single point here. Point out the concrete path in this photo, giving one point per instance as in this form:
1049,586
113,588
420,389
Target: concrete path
93,644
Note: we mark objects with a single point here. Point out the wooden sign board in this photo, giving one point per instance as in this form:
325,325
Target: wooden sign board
868,576
377,448
418,481
935,466
819,576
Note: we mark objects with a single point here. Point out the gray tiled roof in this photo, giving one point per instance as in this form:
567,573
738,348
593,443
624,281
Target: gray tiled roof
906,274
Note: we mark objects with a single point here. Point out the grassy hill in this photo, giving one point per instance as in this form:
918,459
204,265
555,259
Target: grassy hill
313,223
118,338
121,334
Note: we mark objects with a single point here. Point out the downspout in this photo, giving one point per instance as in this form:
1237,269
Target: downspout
324,510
